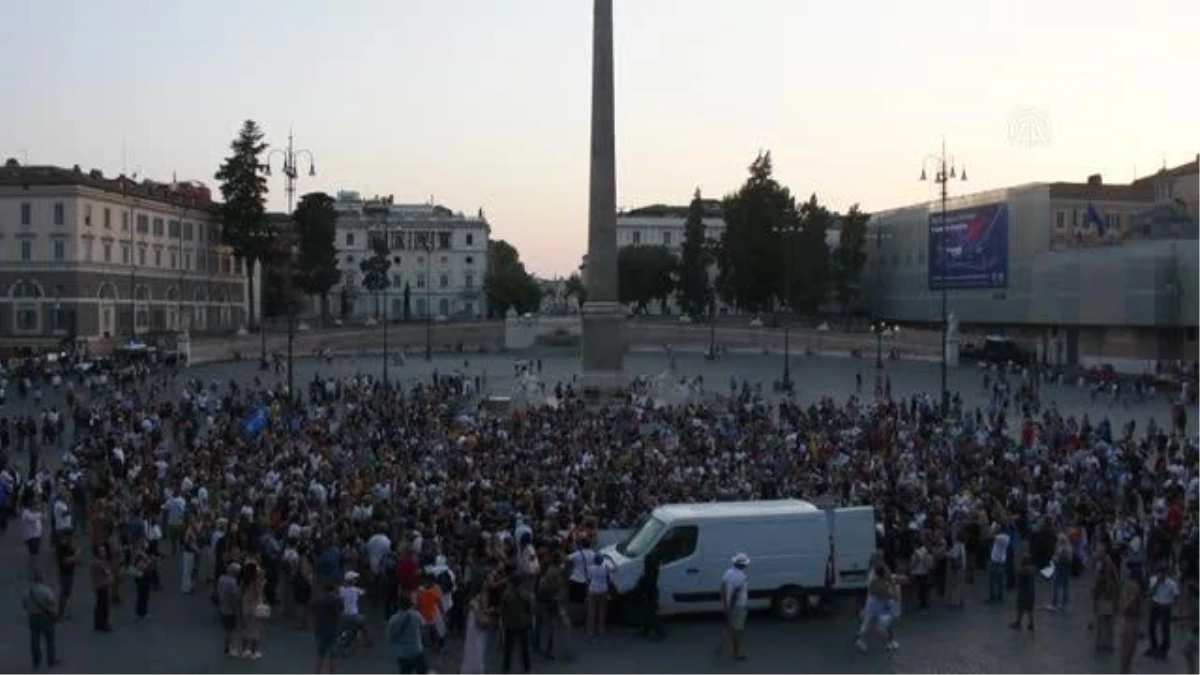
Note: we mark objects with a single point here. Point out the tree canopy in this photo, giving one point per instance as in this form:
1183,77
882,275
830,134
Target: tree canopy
850,257
508,284
244,191
316,231
376,267
645,274
750,256
694,260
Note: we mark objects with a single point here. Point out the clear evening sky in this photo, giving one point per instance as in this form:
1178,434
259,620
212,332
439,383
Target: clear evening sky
484,103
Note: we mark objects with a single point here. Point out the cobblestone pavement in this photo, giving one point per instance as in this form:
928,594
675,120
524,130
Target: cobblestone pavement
182,634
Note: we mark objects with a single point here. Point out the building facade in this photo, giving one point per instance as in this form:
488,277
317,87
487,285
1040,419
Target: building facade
438,260
663,225
1082,272
94,258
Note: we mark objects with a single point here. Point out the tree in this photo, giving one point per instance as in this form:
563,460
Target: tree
375,270
575,289
407,302
808,271
850,257
508,284
243,213
694,261
316,233
645,274
749,255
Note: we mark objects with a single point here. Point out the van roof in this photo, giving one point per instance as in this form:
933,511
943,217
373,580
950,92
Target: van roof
715,510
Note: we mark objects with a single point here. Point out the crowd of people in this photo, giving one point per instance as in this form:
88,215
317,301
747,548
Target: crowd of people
369,513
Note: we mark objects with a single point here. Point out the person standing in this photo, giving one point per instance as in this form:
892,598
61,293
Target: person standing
1163,592
652,622
735,600
996,564
1026,586
41,605
598,588
922,565
32,523
189,541
1105,592
142,576
956,563
552,605
404,637
254,611
103,579
327,616
516,618
479,627
67,557
1131,620
1060,581
229,605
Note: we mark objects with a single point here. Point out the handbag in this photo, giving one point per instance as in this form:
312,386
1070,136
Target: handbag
262,611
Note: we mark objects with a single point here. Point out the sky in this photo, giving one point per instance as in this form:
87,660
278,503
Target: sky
485,103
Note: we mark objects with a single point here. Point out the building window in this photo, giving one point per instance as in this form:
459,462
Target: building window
637,238
201,232
60,213
469,280
420,281
87,215
444,281
443,240
349,239
187,231
469,308
126,255
107,218
158,257
421,309
26,213
26,250
60,250
1060,220
445,260
237,265
666,238
142,257
470,239
107,252
470,260
444,306
187,261
27,318
124,221
158,227
1074,217
88,245
395,260
143,224
349,260
173,229
172,260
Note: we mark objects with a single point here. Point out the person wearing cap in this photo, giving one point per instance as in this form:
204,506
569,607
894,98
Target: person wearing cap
735,598
350,593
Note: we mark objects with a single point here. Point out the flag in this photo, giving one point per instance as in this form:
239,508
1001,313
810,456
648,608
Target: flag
1092,218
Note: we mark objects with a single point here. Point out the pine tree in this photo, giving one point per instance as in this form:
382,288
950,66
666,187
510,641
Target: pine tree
244,214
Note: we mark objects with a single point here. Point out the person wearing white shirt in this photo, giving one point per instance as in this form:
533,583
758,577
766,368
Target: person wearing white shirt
350,594
597,594
578,577
31,528
735,599
996,564
62,515
377,547
1163,592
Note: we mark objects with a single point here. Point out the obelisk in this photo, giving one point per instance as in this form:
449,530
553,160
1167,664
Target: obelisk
603,316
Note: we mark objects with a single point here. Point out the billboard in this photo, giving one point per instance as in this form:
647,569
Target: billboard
970,249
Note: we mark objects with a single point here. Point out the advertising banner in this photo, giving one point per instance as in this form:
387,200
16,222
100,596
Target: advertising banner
970,249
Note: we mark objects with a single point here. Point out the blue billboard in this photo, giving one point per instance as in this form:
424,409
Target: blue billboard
970,249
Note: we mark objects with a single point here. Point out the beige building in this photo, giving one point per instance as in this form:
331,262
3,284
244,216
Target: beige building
97,258
1083,272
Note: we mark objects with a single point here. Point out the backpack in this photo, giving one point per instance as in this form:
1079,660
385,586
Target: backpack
446,581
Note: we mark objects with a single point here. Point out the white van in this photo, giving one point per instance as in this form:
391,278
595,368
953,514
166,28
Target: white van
799,554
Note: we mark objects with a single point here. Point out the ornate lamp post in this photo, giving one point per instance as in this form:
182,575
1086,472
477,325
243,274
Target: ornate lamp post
944,171
290,158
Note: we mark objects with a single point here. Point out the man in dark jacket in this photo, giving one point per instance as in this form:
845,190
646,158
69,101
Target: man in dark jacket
1026,584
648,592
516,617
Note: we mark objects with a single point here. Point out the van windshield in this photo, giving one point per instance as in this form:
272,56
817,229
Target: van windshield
640,541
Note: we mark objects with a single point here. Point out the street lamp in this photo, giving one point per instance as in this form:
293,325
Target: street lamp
712,312
290,297
788,232
289,157
880,328
428,297
944,171
386,247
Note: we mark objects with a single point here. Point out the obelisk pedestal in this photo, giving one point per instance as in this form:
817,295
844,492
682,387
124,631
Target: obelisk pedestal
603,316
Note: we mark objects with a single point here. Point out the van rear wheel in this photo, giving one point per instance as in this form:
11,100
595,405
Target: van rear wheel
789,603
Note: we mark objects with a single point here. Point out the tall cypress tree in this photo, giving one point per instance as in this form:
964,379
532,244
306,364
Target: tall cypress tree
694,259
244,213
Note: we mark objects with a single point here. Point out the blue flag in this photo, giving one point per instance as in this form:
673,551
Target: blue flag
1092,218
256,423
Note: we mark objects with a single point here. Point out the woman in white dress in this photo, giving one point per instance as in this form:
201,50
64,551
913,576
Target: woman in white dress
479,627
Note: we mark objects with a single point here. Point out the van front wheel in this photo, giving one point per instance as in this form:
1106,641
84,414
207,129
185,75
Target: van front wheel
789,603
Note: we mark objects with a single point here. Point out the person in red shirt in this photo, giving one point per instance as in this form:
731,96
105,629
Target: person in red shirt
408,572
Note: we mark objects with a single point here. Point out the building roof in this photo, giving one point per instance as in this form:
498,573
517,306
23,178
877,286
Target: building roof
1189,169
711,209
192,194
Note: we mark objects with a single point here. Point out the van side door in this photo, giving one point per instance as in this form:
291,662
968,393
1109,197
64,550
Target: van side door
679,576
